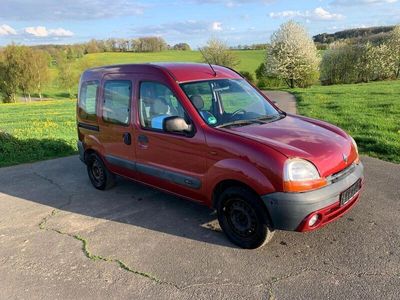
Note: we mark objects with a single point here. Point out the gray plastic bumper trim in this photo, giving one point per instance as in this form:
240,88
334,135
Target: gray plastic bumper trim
288,210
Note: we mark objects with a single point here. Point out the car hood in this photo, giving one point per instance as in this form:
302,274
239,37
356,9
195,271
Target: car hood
325,145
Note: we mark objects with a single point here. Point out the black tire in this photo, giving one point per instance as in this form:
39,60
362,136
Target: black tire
243,218
100,176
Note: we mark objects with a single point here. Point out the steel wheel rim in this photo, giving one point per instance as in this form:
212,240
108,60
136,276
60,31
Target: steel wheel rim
241,217
97,172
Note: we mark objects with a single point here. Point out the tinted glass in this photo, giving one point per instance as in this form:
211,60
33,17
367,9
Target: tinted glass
117,99
87,100
156,103
227,100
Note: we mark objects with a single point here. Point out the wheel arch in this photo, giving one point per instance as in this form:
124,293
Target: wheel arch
225,184
230,172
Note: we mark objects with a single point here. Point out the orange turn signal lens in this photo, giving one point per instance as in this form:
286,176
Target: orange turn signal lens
303,186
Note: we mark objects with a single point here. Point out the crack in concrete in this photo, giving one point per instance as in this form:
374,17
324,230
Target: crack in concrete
59,187
94,257
270,295
270,283
124,266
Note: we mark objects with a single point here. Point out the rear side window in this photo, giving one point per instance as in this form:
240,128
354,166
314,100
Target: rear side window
117,101
87,100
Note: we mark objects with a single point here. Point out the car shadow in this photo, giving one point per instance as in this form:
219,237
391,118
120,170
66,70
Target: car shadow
64,185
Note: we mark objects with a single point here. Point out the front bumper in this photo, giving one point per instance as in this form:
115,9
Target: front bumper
290,211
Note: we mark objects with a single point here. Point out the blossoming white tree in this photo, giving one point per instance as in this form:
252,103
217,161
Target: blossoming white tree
394,46
293,56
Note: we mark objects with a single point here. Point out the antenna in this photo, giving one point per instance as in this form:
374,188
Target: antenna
205,58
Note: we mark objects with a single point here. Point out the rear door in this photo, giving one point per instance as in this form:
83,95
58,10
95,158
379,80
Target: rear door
115,123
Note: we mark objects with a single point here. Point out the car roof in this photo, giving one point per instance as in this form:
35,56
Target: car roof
180,72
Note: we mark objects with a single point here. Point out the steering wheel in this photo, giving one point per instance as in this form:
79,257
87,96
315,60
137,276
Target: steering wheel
240,110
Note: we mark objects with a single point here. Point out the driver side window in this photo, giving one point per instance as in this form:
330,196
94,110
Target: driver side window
157,102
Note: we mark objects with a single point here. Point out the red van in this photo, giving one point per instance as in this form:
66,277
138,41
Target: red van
204,133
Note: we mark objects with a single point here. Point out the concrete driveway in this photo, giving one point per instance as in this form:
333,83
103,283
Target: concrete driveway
60,238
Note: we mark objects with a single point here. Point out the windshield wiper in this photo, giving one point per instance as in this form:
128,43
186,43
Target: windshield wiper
270,118
240,123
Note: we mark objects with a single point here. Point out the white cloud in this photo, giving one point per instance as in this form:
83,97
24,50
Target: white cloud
321,14
286,14
7,30
60,32
38,31
216,26
318,14
41,31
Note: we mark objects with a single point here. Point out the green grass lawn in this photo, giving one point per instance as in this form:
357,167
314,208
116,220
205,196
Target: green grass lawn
369,112
36,131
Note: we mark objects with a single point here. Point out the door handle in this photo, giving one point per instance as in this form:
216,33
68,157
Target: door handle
127,138
143,139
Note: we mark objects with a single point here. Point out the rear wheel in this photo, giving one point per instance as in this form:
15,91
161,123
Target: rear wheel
99,175
243,218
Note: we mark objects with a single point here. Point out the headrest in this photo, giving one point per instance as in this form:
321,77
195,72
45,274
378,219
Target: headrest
160,107
197,101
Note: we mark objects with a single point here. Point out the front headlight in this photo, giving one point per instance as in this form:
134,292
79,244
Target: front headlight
354,144
300,175
357,160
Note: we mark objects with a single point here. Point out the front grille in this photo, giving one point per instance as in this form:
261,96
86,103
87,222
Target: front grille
341,174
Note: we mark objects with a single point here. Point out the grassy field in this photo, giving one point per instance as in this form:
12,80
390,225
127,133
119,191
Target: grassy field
36,131
249,61
369,112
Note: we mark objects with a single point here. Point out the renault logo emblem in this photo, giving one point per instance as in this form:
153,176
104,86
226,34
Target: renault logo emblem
345,158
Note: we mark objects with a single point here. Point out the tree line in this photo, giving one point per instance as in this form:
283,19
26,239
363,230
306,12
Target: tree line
346,62
293,58
371,33
142,44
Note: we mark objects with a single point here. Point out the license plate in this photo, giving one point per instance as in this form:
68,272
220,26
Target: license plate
350,192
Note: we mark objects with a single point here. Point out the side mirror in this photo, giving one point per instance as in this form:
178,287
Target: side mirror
176,124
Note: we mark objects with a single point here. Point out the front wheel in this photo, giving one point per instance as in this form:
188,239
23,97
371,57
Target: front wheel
99,175
243,218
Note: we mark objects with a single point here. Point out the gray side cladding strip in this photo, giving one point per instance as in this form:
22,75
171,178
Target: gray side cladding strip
88,126
174,177
120,162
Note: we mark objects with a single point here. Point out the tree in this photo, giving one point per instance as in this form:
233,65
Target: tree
344,62
261,71
181,46
217,52
67,76
40,61
148,44
11,71
249,76
293,56
394,47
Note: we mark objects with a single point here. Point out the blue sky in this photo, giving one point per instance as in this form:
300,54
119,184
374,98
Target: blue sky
193,21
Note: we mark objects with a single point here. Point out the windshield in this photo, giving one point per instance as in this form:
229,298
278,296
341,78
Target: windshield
224,102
